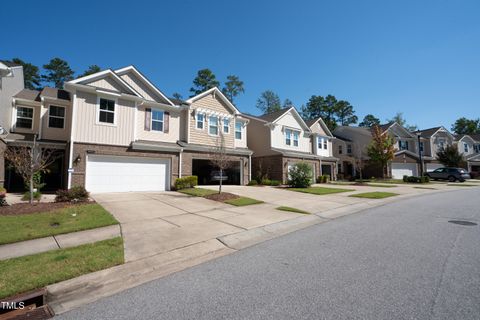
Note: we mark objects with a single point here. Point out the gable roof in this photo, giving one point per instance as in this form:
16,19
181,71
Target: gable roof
475,136
27,94
104,74
310,123
427,133
272,116
386,126
144,79
217,93
55,93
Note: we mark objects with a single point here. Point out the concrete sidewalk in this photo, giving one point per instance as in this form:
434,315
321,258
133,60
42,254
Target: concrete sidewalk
73,239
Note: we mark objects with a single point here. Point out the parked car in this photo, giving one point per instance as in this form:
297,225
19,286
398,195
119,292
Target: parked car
450,174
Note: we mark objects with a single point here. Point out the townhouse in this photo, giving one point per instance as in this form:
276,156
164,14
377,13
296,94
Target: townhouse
282,138
469,146
118,132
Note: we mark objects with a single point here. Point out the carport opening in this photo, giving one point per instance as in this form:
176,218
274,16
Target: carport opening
209,175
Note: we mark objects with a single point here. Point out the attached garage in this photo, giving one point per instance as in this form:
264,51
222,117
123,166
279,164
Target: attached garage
105,173
403,169
209,175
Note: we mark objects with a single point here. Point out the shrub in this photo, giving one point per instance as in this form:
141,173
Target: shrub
300,175
425,179
413,179
275,183
37,195
75,193
186,182
323,179
475,175
252,183
265,182
405,178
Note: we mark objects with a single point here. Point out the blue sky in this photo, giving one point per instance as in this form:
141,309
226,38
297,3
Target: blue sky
421,58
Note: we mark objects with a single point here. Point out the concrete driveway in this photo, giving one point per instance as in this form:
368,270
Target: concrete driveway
154,223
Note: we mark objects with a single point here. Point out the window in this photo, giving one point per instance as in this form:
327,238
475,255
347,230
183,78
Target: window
288,138
325,144
441,144
213,125
340,149
339,168
200,121
107,111
403,145
476,148
349,148
24,118
319,143
56,117
238,130
295,138
421,147
465,147
157,120
226,125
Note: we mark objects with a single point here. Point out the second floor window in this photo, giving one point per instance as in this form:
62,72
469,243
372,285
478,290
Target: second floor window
200,121
476,148
325,144
340,149
319,143
295,138
56,117
213,125
441,144
226,125
157,120
106,112
465,147
421,147
349,148
24,118
238,130
288,137
403,144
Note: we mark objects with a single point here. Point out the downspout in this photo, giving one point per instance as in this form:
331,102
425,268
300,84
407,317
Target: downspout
70,156
249,167
40,118
180,163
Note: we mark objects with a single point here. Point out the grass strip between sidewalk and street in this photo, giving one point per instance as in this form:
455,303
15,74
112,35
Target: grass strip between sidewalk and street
319,190
374,195
38,225
462,185
36,271
379,185
290,209
198,192
243,201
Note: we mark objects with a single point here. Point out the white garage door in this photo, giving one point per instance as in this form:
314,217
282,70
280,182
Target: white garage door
433,166
403,169
123,174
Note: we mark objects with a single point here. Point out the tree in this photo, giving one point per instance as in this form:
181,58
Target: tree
177,96
57,72
466,126
268,102
220,159
91,70
369,121
204,80
300,175
287,103
30,161
381,150
345,113
398,118
358,156
450,157
31,74
318,106
233,87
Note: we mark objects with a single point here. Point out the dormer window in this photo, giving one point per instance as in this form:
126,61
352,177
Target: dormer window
24,118
200,121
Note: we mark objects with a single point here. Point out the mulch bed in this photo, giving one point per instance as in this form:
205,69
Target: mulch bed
37,207
222,196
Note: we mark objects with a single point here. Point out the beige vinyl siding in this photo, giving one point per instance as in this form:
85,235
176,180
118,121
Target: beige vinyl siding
173,134
258,138
106,83
56,133
87,129
201,136
141,88
240,143
317,128
36,118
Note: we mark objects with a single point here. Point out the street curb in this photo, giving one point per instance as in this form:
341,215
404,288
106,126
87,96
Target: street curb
67,295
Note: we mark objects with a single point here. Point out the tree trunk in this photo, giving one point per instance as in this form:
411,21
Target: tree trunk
221,180
31,189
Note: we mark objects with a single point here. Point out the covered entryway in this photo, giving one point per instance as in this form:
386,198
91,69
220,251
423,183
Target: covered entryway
403,169
106,173
207,173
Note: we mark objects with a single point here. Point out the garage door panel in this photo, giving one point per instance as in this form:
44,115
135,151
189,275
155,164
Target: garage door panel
404,169
122,174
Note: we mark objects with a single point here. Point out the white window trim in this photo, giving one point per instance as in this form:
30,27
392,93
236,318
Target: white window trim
64,116
203,122
223,126
288,137
153,120
465,147
297,140
218,126
115,113
241,130
16,117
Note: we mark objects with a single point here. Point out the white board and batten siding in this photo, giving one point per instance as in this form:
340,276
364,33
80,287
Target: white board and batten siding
278,135
105,173
404,169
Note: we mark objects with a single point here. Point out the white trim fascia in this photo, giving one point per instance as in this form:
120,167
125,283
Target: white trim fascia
443,129
217,92
26,101
164,106
297,116
144,79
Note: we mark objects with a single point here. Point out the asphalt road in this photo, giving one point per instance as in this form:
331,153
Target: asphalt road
399,261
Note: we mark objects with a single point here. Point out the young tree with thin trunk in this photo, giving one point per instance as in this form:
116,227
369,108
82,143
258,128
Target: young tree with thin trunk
358,156
29,161
220,159
381,150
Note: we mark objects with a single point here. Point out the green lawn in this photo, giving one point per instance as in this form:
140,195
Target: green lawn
290,209
198,192
319,190
382,185
374,195
243,201
36,271
38,225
